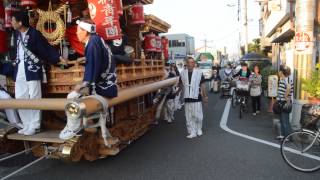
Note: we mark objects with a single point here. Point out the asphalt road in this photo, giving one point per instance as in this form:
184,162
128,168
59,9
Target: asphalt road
166,153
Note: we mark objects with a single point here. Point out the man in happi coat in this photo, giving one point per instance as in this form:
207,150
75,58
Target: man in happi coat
31,50
169,107
99,73
192,82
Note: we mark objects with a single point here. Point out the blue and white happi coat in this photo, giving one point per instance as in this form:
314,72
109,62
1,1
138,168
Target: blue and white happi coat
36,51
100,68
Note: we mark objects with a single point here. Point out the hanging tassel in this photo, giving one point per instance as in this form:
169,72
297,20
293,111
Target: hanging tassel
69,14
12,40
65,50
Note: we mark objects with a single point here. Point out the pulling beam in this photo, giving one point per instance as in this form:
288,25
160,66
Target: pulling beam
58,104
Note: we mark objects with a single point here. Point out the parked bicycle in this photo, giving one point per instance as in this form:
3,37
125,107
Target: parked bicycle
301,149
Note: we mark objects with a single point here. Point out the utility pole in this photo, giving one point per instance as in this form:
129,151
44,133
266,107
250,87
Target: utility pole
239,40
206,44
304,52
246,26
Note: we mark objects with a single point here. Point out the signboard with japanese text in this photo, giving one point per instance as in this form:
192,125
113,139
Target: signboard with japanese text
272,86
304,42
105,16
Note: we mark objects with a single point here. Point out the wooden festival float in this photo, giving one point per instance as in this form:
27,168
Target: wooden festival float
133,113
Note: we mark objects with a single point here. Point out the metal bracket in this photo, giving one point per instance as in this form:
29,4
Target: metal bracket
7,130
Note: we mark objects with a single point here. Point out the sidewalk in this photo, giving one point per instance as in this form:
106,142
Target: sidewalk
259,126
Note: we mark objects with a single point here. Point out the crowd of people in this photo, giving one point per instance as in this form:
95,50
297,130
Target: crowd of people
31,49
254,79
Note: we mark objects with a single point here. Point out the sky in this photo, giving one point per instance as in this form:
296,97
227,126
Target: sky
213,20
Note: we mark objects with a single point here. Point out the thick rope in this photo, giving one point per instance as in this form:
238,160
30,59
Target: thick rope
102,119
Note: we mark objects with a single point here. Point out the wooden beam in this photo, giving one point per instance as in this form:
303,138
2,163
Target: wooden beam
58,104
47,136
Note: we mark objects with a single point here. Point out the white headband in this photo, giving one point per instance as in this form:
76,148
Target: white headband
91,28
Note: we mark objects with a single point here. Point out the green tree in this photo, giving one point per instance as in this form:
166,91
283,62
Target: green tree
253,47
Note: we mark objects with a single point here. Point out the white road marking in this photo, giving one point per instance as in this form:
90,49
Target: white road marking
223,125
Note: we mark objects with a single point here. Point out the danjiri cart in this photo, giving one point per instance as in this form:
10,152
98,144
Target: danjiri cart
139,78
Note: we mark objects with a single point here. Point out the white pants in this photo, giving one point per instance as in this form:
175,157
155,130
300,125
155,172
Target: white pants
11,114
169,110
194,117
177,105
29,90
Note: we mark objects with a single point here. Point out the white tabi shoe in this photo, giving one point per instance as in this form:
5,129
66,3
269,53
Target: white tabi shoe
31,131
190,136
72,128
67,133
169,121
21,131
199,133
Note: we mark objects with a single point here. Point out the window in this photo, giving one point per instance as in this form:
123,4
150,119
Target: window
177,43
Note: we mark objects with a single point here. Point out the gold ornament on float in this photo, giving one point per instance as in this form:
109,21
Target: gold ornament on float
51,25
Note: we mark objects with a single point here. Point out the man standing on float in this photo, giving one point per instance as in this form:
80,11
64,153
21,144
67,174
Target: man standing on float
99,73
192,82
31,48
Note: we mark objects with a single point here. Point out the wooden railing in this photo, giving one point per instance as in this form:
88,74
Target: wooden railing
139,72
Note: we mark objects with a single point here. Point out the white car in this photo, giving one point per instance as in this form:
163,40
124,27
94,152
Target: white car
206,69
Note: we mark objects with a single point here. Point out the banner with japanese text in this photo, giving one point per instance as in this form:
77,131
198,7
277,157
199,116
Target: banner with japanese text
105,16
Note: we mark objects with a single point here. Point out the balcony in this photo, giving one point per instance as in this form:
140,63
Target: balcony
277,18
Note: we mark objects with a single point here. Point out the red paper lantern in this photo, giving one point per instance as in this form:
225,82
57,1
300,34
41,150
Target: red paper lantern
165,47
3,34
137,14
119,7
150,43
104,15
28,3
158,44
9,10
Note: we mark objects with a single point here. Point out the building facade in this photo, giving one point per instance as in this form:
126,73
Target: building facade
290,34
278,28
180,46
277,31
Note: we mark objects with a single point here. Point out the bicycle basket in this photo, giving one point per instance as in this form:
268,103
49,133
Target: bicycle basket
243,85
309,117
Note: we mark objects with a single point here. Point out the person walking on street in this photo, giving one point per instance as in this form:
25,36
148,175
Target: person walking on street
177,103
227,73
285,92
169,106
192,82
255,80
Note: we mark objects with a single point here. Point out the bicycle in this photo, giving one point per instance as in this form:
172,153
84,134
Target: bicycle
301,149
240,96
